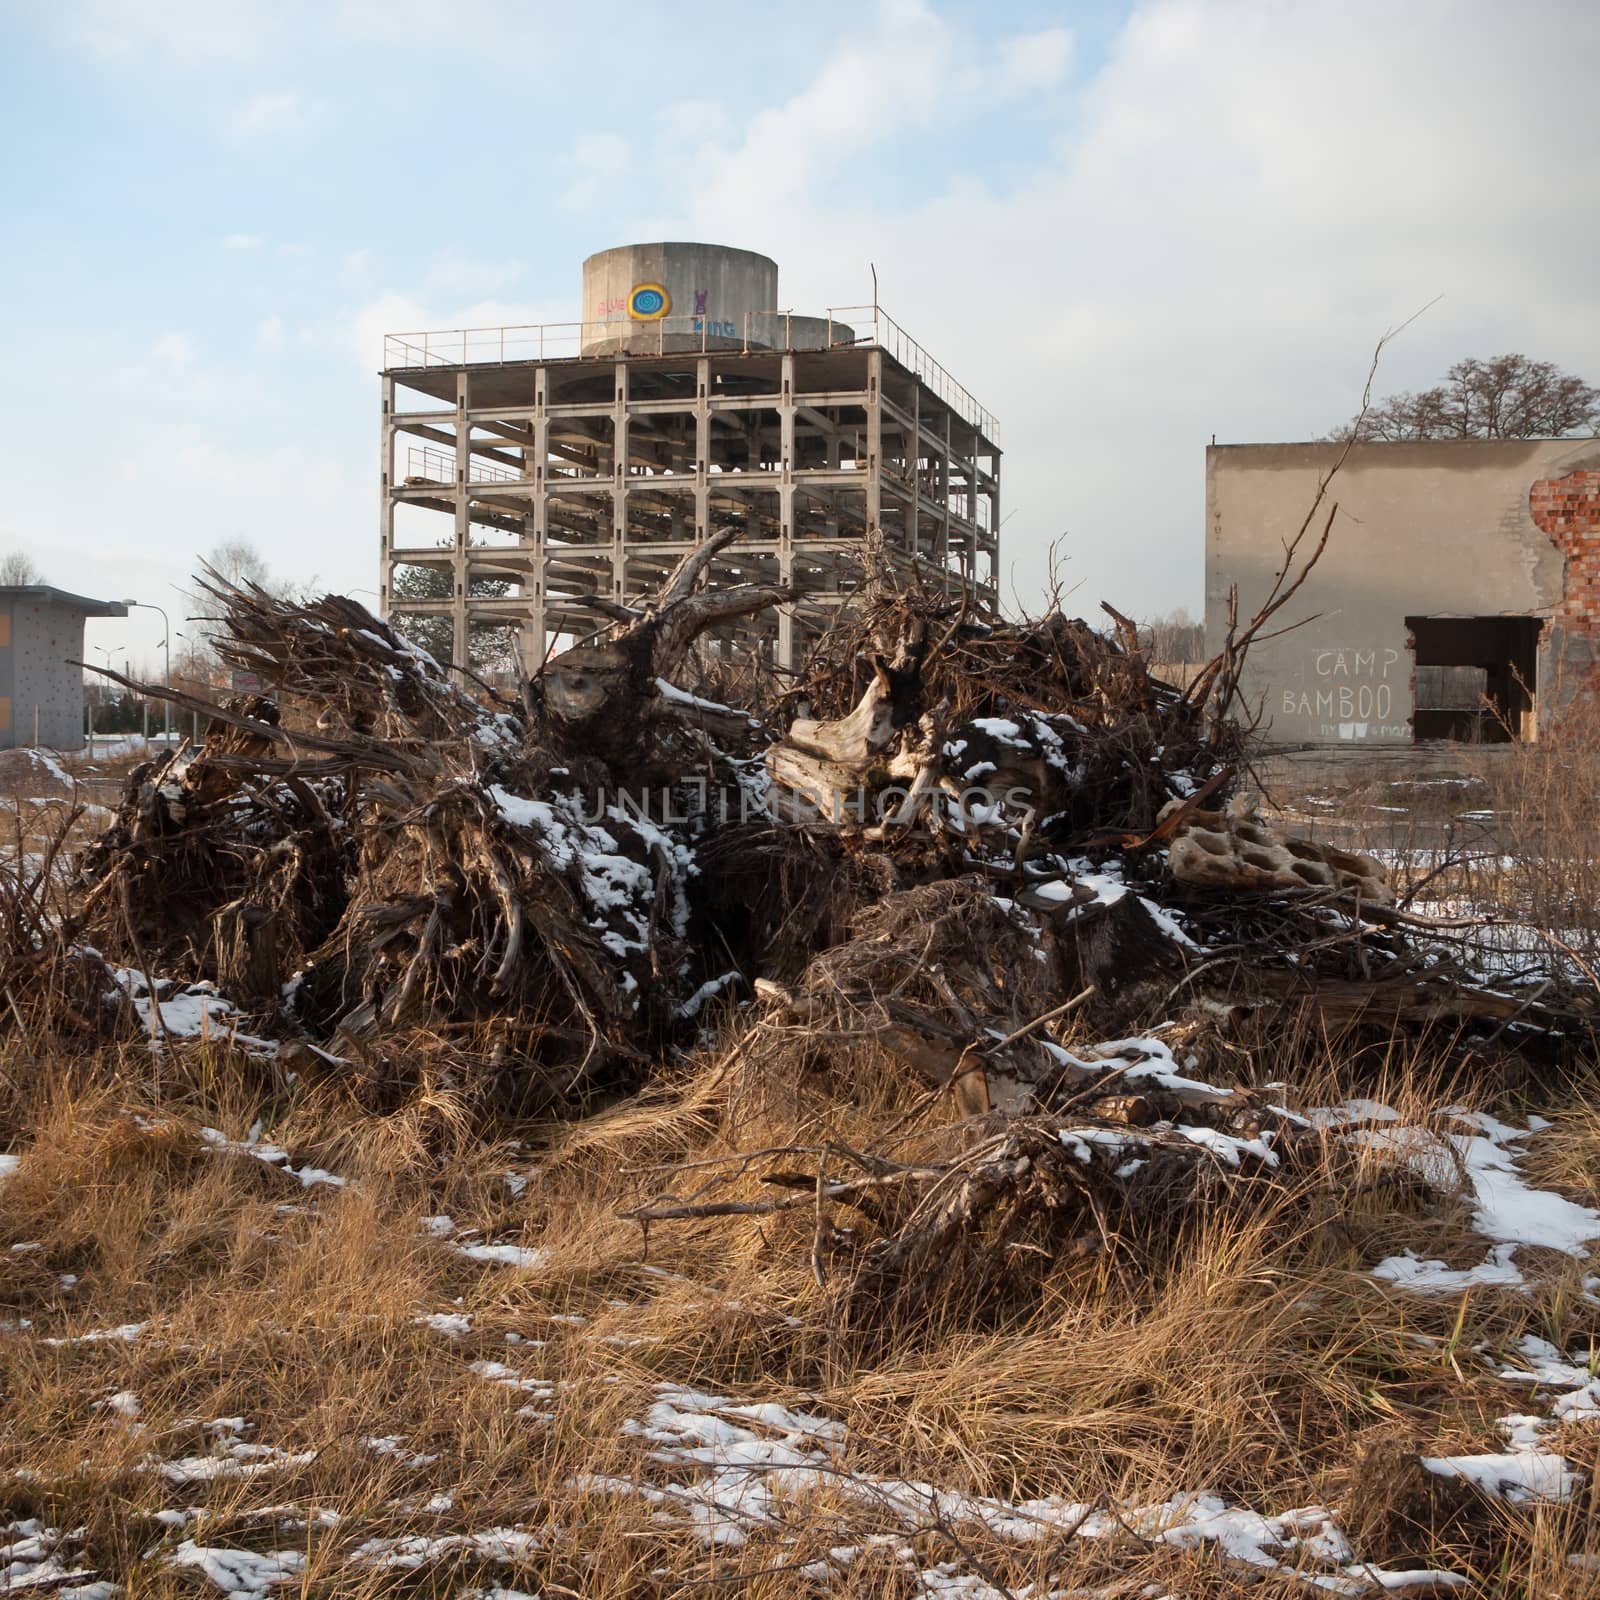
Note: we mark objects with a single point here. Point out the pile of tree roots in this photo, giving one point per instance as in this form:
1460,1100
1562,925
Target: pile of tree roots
970,845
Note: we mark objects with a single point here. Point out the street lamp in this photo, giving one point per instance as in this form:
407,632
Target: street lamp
166,645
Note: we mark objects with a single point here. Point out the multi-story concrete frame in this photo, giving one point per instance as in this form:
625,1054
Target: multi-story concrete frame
590,475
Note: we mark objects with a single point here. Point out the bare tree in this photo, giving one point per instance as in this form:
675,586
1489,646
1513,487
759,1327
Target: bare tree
239,562
18,570
1509,397
1174,639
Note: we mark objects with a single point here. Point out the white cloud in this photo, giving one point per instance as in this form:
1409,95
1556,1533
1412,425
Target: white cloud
1247,198
190,459
1035,60
595,162
600,152
272,114
896,75
492,28
456,274
387,315
694,121
173,350
187,30
269,335
242,241
394,314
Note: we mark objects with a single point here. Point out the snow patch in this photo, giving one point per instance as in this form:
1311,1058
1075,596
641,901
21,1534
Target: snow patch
510,1255
1519,1476
1509,1211
245,1574
735,1469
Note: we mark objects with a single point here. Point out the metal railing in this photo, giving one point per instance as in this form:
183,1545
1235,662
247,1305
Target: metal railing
843,327
424,464
894,339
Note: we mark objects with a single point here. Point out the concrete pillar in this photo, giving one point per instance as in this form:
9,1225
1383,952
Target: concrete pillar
994,519
915,465
944,501
786,458
530,632
874,442
702,449
835,460
386,500
458,562
619,481
970,463
540,469
538,526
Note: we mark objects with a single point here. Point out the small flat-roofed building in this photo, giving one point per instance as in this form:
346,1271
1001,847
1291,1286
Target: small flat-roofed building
1458,597
41,695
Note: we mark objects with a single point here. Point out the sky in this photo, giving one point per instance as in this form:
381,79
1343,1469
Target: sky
1126,228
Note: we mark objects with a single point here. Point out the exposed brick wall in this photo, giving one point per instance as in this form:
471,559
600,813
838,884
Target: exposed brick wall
1568,510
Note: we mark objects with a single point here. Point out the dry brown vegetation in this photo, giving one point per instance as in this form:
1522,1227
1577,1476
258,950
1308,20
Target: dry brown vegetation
771,1305
1238,1348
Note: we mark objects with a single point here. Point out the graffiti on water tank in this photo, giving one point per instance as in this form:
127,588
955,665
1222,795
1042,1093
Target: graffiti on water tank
723,329
649,302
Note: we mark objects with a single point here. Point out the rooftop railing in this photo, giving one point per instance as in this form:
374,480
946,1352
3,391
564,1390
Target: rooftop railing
843,327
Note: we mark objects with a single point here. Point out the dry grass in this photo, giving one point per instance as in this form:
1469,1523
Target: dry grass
1246,1353
1240,1348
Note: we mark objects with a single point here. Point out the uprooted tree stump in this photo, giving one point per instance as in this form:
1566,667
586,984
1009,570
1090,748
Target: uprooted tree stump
946,829
609,698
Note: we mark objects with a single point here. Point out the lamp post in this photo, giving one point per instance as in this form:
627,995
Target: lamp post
104,650
166,646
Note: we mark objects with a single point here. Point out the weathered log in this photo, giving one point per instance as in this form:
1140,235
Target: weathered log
602,695
247,954
851,741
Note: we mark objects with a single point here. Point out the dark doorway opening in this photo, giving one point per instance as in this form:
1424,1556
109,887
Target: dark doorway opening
1474,678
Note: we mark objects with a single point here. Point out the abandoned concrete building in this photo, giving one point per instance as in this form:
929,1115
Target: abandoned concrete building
41,691
1458,598
546,466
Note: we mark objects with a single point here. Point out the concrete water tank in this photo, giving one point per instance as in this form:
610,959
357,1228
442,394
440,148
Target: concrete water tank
784,332
640,298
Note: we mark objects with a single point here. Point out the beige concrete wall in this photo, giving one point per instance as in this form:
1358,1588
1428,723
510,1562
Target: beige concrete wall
1434,529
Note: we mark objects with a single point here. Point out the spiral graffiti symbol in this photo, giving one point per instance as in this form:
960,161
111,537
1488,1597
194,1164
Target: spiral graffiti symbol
649,302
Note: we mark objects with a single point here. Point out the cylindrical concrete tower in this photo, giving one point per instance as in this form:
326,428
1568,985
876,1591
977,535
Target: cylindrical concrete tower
641,298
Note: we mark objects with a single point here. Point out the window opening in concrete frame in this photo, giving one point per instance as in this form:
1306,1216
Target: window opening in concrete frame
1475,678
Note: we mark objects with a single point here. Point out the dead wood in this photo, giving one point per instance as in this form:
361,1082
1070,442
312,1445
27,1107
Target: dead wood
957,844
605,695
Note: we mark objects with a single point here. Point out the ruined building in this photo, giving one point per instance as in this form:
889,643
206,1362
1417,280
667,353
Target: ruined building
1458,598
527,469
